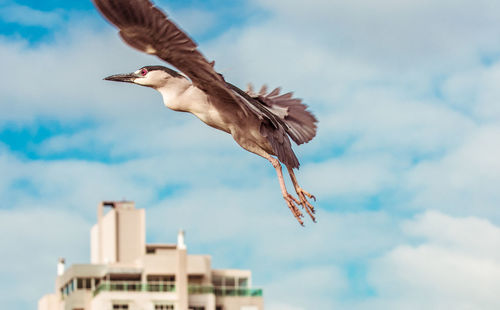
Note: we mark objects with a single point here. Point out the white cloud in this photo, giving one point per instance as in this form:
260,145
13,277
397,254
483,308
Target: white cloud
26,16
350,177
475,90
251,228
472,236
448,269
34,237
317,74
63,80
465,180
399,35
215,212
68,183
299,289
195,21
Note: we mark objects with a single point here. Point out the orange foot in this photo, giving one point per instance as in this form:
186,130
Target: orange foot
305,203
292,204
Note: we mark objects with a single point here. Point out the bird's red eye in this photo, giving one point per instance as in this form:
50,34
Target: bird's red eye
144,72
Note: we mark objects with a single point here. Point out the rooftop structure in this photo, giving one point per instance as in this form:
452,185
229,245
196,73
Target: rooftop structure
125,273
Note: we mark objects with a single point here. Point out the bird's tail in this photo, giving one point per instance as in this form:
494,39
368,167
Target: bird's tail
301,124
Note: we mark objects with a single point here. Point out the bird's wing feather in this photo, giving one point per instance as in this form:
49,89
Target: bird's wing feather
145,27
273,127
300,123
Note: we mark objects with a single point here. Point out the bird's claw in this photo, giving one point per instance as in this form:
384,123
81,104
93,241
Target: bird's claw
311,196
292,204
305,204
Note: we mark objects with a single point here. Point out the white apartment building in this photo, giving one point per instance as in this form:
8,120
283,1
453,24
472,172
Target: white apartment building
125,273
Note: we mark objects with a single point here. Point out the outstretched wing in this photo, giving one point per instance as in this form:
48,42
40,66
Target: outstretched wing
145,27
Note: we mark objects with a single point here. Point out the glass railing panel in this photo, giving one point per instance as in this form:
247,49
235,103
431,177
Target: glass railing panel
120,286
224,291
200,289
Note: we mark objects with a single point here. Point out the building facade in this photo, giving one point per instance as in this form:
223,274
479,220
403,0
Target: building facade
125,273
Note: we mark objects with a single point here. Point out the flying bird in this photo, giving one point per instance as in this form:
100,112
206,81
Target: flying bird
260,122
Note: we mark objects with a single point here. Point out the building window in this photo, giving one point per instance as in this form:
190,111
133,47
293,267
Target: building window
197,308
120,306
242,282
195,279
217,281
164,307
68,288
83,283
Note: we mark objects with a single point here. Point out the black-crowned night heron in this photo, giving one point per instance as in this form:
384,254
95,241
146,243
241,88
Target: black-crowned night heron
261,123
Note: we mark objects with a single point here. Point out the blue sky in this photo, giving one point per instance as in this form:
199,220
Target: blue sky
405,164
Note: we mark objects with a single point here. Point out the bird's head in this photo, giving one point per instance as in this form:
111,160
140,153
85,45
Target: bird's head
150,76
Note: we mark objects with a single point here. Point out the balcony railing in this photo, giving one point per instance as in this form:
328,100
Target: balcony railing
219,291
225,291
119,286
200,289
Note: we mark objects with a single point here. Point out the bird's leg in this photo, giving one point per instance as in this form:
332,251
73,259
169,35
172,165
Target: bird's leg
302,195
290,200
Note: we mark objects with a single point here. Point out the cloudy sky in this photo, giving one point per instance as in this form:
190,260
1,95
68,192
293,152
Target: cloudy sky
406,163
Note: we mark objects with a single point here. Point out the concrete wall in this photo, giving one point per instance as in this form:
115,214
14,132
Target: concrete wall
165,262
94,245
119,236
199,264
202,300
239,303
131,238
78,300
159,264
108,238
136,300
49,302
181,284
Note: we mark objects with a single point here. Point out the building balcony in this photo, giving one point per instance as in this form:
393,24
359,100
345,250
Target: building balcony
134,287
225,291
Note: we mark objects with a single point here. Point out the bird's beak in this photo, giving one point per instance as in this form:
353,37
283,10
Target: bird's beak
127,78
